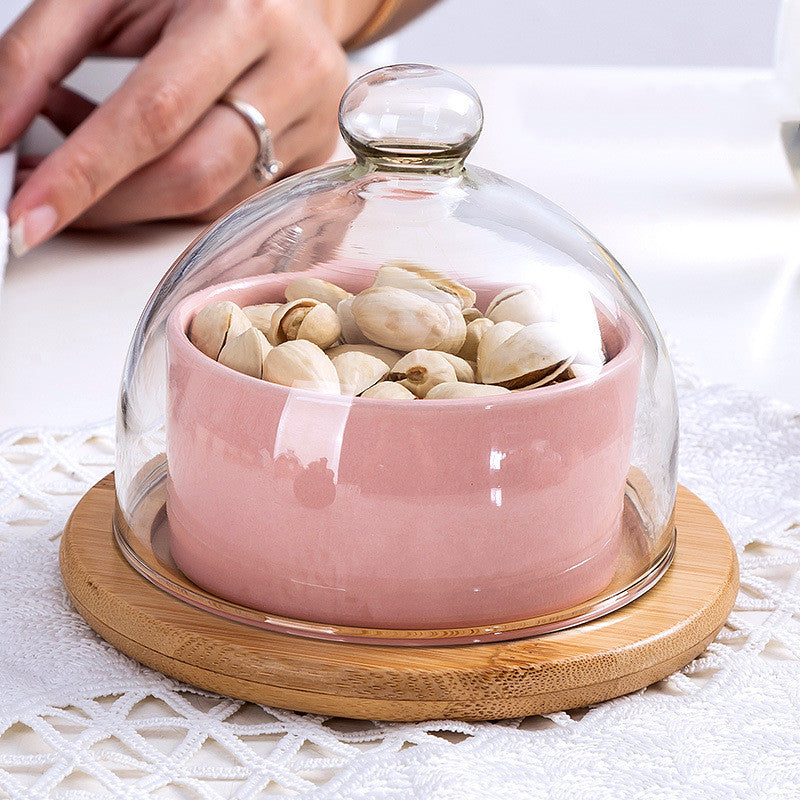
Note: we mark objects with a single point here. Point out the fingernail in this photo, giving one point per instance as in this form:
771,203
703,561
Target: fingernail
32,229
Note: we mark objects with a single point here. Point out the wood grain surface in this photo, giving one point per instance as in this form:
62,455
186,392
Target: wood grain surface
619,653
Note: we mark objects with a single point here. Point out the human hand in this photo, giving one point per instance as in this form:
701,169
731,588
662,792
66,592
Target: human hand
162,146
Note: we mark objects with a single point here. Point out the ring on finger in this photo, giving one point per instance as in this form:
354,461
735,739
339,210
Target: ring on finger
265,167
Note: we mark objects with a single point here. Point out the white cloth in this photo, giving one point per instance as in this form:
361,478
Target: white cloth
79,720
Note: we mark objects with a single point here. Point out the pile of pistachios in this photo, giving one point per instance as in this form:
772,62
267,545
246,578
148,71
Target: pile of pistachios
413,334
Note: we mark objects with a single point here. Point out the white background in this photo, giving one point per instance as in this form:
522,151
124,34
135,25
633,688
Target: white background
640,32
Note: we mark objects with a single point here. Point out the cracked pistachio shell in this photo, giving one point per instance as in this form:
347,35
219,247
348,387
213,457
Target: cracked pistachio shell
399,319
532,356
576,310
456,330
576,370
320,326
388,390
523,304
351,333
464,371
471,314
557,376
305,318
358,371
328,293
472,337
420,370
590,350
424,282
246,352
389,357
286,320
453,391
214,324
261,316
583,370
492,338
302,365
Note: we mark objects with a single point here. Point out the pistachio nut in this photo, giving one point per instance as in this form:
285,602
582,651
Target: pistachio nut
320,326
399,319
214,324
493,337
574,307
452,391
246,353
557,376
590,349
532,356
389,357
305,318
358,371
424,282
387,390
523,304
471,314
420,370
472,337
260,316
351,333
562,376
464,370
576,370
303,365
456,330
328,293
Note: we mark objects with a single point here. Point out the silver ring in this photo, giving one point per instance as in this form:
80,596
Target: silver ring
266,166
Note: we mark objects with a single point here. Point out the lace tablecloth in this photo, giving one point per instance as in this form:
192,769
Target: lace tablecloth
80,720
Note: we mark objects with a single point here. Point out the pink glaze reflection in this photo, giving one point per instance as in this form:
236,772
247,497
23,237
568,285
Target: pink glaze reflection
394,514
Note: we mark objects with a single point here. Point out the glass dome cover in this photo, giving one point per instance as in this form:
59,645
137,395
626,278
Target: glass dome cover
538,496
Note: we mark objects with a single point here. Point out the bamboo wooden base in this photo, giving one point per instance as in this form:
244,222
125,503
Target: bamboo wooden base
639,644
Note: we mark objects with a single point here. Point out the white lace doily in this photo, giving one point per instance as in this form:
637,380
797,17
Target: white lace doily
80,720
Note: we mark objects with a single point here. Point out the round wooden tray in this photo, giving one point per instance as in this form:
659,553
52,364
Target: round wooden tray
630,648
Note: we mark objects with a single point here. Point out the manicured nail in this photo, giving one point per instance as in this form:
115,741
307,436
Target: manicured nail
32,229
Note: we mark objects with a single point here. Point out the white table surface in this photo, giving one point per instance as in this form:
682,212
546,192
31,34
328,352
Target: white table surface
680,173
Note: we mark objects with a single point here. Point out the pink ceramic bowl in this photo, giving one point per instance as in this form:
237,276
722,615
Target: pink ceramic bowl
394,514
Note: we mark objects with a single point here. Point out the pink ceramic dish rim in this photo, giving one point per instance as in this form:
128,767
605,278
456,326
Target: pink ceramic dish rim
180,317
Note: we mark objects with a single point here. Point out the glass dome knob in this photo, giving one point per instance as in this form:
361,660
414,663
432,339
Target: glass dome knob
411,115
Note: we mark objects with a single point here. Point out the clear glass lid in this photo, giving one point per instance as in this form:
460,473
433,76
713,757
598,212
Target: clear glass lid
399,399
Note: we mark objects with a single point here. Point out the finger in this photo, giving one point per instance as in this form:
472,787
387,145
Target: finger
297,140
199,171
190,177
21,176
67,109
137,34
30,160
155,107
40,49
199,180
